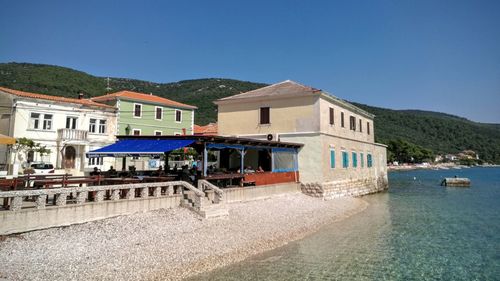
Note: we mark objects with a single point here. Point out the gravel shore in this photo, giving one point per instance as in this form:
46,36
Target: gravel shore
166,244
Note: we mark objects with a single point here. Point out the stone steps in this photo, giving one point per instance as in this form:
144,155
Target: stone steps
207,208
214,211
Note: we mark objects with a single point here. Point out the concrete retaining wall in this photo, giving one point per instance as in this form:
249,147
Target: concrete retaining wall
33,219
55,216
259,192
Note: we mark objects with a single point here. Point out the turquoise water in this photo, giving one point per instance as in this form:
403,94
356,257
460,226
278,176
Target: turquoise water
417,230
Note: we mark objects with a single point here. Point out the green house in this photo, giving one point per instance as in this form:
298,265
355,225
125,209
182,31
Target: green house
146,114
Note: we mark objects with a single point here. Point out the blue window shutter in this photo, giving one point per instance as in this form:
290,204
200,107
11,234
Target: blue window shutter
362,160
345,159
354,160
332,158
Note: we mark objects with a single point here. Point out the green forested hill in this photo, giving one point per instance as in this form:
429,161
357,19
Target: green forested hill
442,133
66,82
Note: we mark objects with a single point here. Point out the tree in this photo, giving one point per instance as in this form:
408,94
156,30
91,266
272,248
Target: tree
23,145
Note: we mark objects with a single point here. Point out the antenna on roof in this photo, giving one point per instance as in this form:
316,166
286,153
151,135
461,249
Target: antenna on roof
108,88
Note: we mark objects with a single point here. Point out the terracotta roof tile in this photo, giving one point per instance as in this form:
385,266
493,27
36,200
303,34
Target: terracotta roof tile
86,102
207,130
142,97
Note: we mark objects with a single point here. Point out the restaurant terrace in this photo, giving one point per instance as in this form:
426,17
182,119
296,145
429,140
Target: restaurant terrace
238,161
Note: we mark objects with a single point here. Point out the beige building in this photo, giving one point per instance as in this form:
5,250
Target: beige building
339,155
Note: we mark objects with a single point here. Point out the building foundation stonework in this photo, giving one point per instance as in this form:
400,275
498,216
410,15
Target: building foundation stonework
341,188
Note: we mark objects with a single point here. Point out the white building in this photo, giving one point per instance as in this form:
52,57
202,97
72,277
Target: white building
69,127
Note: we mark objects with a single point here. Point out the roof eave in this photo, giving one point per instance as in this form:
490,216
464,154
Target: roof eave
346,104
239,99
185,106
21,97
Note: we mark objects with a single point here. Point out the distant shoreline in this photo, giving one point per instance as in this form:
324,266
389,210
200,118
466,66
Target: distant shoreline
445,166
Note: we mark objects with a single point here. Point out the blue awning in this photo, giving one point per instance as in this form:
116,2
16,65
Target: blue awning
139,147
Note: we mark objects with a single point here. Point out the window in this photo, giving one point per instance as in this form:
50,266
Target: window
71,122
332,158
368,127
354,160
47,121
92,125
34,121
361,157
342,119
95,126
264,115
352,123
369,160
159,113
158,133
345,159
96,161
136,132
178,116
360,125
102,126
40,121
331,116
37,123
137,110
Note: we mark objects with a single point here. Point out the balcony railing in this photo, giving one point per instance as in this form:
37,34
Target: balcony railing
71,134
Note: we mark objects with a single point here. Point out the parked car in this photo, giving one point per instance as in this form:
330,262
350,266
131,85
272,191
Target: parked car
42,168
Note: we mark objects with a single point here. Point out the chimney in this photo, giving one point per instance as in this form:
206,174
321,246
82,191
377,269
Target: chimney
80,95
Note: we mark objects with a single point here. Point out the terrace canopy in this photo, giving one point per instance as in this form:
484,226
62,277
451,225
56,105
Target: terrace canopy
280,157
140,147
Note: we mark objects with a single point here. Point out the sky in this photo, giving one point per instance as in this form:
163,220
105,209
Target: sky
430,55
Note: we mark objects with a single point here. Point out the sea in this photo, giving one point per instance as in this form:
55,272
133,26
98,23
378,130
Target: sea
417,230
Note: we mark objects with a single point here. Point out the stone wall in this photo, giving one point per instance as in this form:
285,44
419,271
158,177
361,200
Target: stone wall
259,192
341,188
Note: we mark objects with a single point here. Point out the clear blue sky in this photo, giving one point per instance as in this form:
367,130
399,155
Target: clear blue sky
431,55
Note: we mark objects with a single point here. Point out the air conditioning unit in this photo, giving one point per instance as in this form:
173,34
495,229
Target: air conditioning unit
273,137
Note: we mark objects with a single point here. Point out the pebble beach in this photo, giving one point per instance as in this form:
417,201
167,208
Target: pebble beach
169,244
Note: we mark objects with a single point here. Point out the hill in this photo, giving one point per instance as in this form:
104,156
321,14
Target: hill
66,82
442,133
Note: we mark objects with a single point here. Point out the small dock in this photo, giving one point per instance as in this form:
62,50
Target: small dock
459,182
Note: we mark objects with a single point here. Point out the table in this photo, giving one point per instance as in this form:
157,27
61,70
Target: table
225,177
157,179
112,181
51,182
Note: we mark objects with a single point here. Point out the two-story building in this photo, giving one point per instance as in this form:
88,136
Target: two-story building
147,114
69,127
339,155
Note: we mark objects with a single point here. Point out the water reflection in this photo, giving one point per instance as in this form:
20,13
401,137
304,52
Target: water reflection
416,231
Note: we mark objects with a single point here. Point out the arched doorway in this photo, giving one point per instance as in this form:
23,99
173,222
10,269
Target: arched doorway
69,157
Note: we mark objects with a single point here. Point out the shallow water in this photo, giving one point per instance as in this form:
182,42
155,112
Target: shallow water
417,230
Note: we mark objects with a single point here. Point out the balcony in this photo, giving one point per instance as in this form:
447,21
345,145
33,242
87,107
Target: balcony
72,135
